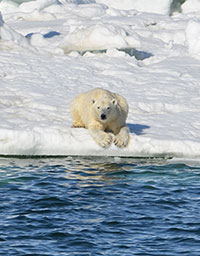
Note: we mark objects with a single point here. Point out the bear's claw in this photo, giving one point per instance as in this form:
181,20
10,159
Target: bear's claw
106,142
121,143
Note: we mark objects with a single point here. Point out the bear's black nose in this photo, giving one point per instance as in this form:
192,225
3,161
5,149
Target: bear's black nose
103,116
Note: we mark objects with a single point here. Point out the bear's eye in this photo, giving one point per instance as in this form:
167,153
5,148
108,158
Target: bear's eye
98,107
108,108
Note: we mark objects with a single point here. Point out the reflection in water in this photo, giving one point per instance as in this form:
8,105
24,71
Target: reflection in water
87,174
85,171
96,171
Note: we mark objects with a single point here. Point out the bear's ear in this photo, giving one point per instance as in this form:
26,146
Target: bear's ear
93,101
114,102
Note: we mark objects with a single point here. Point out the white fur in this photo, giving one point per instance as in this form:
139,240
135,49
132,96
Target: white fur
101,112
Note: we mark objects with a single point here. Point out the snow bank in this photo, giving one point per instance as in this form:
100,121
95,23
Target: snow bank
37,5
193,37
7,34
191,6
98,37
155,6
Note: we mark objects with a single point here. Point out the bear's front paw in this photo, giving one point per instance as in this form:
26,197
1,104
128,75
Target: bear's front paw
121,141
106,141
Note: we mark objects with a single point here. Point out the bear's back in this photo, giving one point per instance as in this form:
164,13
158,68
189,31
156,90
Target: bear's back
99,93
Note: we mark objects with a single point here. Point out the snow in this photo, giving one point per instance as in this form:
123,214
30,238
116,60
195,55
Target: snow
7,34
156,6
98,37
193,37
52,50
191,6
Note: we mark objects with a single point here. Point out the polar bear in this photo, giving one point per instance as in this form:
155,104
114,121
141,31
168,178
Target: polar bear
102,112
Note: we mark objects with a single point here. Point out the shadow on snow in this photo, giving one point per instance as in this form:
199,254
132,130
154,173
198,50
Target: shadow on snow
47,35
138,129
139,55
132,52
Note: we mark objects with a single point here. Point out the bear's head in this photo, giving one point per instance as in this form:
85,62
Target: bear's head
105,109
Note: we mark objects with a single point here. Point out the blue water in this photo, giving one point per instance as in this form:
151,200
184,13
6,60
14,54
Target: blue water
99,206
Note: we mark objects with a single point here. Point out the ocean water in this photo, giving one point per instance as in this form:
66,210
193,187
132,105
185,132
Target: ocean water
99,206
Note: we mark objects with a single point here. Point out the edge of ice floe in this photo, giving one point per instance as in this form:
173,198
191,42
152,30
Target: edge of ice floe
77,142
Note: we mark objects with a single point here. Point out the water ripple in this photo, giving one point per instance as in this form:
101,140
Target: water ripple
88,206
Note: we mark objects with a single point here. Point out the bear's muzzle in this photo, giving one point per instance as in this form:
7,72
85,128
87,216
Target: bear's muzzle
103,117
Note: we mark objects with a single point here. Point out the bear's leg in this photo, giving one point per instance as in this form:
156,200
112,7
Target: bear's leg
121,140
76,120
102,138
